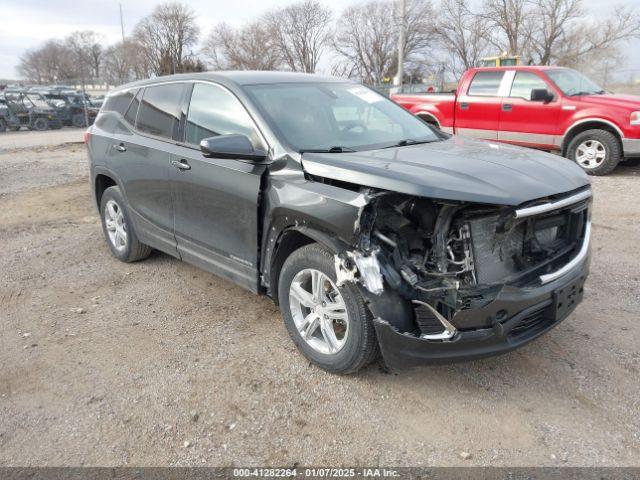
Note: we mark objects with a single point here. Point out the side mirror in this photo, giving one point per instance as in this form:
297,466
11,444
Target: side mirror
541,95
234,146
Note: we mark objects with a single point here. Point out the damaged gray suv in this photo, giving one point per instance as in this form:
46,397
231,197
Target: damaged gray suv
374,232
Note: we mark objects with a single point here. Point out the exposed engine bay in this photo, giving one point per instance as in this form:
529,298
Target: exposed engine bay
448,257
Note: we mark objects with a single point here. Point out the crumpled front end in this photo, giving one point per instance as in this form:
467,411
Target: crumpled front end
451,281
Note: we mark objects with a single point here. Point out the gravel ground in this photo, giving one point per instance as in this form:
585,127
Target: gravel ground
38,140
159,363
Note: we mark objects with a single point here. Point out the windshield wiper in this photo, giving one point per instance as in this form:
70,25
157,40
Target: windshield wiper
409,141
579,94
334,149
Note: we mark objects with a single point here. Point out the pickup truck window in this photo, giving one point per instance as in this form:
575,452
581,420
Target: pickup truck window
524,82
319,116
214,111
573,83
485,84
158,113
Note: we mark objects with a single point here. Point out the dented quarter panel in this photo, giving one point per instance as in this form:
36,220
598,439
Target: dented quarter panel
455,169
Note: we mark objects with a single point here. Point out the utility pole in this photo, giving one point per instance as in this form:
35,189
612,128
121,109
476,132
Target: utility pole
121,23
401,36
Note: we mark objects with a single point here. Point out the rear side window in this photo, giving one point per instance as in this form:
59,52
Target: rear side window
132,111
118,102
159,110
485,84
214,111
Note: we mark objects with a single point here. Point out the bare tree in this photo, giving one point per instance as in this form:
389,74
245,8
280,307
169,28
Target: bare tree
367,37
166,35
52,62
124,62
563,35
463,34
250,47
508,21
86,49
301,33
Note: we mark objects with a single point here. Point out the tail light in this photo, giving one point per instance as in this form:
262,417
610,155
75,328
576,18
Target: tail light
87,136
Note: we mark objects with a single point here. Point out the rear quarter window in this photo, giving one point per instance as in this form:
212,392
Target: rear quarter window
118,102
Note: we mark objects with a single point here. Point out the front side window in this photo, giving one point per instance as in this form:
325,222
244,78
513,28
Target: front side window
214,111
524,83
322,116
573,83
118,102
486,84
159,109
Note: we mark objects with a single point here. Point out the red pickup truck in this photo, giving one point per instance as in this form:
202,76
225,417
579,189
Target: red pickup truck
550,108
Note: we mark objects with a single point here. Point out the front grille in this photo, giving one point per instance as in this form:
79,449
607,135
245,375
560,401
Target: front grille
505,251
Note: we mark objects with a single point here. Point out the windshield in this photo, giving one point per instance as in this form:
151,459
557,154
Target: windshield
336,117
573,83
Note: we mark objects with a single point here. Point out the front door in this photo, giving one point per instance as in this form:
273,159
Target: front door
527,123
215,199
478,109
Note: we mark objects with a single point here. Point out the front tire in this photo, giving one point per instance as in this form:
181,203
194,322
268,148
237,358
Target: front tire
598,152
40,124
330,325
118,230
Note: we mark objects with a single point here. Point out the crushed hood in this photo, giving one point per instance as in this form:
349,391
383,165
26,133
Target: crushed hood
454,169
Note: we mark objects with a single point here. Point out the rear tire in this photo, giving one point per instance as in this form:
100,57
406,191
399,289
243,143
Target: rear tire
118,229
598,152
338,346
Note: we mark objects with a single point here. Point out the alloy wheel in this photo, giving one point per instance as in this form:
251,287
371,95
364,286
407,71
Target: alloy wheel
116,226
319,311
590,154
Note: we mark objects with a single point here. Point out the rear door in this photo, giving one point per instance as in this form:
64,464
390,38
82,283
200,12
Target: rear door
478,109
141,160
528,123
216,199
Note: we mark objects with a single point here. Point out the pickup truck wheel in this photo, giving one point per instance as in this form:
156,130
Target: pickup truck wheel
330,325
596,151
117,228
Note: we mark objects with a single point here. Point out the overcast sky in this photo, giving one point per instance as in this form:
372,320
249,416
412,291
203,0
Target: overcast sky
27,23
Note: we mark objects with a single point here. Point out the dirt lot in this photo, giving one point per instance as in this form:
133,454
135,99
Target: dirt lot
159,363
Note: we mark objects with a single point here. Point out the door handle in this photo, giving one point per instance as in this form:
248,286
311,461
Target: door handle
464,106
181,164
507,107
120,147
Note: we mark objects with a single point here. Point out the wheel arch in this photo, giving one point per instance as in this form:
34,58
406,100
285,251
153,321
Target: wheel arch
101,182
284,242
589,124
428,117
